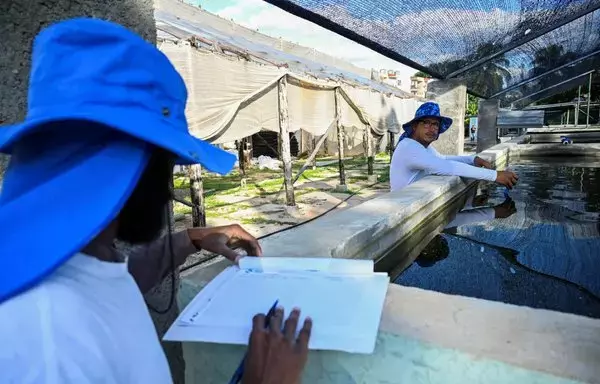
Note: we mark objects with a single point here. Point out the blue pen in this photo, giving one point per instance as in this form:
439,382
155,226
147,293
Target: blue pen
239,372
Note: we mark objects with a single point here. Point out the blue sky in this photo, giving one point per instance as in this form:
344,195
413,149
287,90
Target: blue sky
270,20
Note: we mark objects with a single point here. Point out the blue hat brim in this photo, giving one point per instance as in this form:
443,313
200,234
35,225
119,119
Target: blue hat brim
141,125
444,126
70,209
66,221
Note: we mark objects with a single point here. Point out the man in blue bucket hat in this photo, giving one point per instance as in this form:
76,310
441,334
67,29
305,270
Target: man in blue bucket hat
92,164
414,157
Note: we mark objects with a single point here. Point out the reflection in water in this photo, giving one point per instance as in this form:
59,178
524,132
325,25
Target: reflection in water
546,255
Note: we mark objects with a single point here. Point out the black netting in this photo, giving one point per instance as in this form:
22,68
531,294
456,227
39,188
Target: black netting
542,94
494,45
544,86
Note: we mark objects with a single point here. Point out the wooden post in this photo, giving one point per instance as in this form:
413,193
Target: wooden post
241,157
314,145
340,135
197,195
284,142
311,158
370,158
391,145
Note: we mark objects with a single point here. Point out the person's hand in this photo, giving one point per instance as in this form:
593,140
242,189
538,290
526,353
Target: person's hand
506,209
480,200
479,162
276,357
507,178
224,240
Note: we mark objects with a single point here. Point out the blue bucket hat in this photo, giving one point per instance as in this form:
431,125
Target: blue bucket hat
427,110
67,180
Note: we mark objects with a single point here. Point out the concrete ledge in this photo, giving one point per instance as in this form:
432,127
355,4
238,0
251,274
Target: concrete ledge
424,336
430,337
540,150
560,344
563,129
370,229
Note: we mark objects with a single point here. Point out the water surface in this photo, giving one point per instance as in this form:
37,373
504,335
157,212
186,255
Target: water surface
545,255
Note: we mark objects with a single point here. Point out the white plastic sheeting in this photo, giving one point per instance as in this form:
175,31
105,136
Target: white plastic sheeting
177,19
230,98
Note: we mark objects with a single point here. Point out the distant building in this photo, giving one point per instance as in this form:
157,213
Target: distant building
387,76
418,85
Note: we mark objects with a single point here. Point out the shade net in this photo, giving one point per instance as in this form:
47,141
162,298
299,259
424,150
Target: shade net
493,45
563,86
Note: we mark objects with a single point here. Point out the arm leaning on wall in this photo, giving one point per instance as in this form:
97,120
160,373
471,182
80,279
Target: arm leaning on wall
421,159
461,159
150,263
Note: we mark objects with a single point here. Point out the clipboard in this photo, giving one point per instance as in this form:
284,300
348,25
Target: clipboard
344,298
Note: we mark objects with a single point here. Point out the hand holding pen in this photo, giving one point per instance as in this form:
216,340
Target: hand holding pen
275,353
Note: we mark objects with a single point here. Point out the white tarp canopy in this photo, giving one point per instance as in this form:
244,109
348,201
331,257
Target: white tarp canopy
230,97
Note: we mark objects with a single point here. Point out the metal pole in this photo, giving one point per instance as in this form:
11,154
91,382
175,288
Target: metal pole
577,107
568,111
589,98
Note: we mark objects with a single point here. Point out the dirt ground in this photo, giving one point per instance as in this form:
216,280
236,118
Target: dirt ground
258,203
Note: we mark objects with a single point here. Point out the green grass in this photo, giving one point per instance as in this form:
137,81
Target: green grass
384,175
181,182
356,179
226,209
263,220
263,183
181,209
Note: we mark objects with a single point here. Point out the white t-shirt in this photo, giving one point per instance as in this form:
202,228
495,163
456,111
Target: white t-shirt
86,323
411,161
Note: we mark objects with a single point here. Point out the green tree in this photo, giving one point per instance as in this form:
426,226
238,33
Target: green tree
421,74
550,57
485,79
491,76
472,107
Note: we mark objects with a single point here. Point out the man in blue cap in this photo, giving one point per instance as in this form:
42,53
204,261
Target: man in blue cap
92,164
415,158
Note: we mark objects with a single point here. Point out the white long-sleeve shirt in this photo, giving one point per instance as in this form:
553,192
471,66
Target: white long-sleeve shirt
472,216
411,161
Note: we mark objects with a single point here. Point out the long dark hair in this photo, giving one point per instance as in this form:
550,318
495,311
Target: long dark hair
143,216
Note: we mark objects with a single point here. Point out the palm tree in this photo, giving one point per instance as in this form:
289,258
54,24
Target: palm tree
491,76
552,56
486,79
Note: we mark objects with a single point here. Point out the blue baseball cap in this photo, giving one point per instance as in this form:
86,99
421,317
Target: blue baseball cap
67,180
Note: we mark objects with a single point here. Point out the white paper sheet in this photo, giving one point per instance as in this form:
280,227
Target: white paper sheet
325,264
345,307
